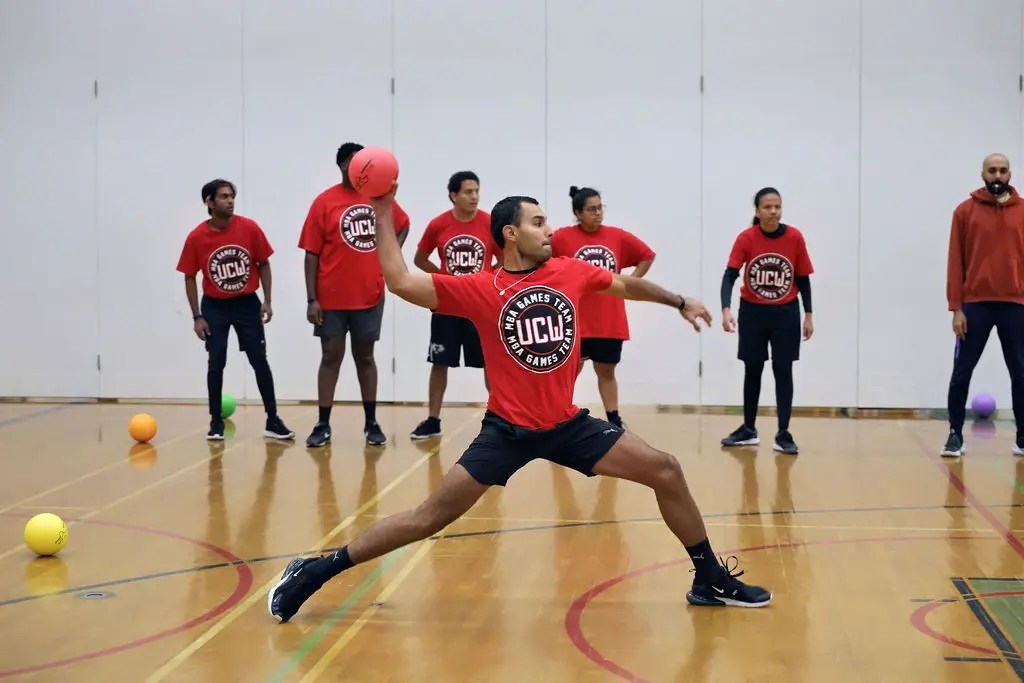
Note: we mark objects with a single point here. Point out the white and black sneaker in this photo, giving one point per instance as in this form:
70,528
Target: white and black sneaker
216,432
427,429
276,429
1018,447
744,436
294,588
784,443
726,590
954,447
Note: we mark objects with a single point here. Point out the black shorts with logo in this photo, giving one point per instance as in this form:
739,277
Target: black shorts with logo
761,325
240,312
364,325
502,448
448,335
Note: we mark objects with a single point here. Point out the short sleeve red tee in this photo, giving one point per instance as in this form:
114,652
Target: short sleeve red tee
341,229
463,248
529,334
610,248
228,258
772,264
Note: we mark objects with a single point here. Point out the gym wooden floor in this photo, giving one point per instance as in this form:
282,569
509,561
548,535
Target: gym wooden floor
887,563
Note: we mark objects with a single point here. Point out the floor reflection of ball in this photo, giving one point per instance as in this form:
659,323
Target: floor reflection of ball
46,575
46,534
983,429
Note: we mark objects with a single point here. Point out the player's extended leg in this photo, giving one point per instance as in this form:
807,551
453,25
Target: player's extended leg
966,354
455,495
715,584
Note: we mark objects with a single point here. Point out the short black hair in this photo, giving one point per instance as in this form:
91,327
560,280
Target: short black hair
211,189
507,212
580,195
459,177
346,152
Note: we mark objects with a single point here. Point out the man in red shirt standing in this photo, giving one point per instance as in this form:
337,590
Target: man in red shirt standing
776,267
462,238
230,250
526,313
345,293
985,289
603,322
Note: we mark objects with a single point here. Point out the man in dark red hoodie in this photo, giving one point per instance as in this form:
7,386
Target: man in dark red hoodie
985,289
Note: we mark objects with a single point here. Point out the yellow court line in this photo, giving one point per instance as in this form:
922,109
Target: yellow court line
137,492
88,475
258,595
369,612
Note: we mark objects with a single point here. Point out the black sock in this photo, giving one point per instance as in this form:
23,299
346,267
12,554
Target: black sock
704,560
370,408
325,415
613,417
751,392
329,566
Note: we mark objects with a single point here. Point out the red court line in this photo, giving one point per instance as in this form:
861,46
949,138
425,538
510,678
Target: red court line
574,615
244,583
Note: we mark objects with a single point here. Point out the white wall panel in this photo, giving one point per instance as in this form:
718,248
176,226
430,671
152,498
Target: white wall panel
780,109
316,74
170,119
469,95
49,338
940,92
623,116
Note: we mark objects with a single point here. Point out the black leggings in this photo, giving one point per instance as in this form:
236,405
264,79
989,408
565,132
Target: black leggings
783,371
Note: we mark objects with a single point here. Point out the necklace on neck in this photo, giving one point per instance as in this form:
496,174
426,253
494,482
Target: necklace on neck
502,290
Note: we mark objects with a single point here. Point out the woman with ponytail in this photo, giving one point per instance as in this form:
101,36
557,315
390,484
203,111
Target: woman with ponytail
603,323
776,268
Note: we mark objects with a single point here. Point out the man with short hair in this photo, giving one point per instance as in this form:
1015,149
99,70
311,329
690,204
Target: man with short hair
526,313
230,250
462,239
345,293
985,290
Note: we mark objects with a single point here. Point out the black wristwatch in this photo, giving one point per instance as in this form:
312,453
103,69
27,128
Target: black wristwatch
682,302
197,317
309,301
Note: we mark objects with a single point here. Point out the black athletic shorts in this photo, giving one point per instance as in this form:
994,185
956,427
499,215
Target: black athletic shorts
364,325
240,312
764,324
501,449
449,334
601,350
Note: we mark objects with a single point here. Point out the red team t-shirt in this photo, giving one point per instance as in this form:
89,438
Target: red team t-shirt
228,258
610,248
463,248
341,228
529,336
772,264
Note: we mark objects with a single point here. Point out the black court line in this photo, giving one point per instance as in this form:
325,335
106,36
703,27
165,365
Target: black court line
999,638
993,660
468,534
37,413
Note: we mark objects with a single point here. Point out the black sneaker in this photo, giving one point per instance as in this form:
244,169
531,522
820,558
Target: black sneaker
727,591
427,429
292,590
216,432
275,429
954,447
374,434
784,443
1018,447
320,436
744,436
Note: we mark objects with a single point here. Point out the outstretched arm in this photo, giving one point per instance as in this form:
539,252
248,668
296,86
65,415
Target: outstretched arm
416,288
640,289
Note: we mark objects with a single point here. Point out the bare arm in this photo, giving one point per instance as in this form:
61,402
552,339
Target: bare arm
265,280
192,294
312,267
639,289
423,262
416,288
642,268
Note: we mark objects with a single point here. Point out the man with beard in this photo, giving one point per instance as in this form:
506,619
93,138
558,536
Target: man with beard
985,289
234,256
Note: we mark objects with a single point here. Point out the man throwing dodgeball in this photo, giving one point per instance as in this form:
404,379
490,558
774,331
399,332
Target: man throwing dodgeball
526,313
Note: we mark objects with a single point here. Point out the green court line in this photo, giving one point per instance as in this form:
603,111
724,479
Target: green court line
1009,609
310,642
